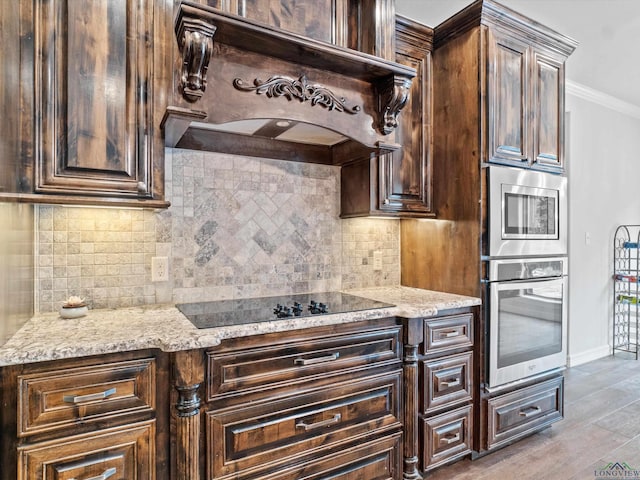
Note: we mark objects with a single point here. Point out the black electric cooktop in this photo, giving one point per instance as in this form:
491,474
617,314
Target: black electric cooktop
252,310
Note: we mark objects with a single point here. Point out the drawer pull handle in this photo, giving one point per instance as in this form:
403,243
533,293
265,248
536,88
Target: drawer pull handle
324,423
89,398
451,334
109,472
530,411
449,439
313,361
451,383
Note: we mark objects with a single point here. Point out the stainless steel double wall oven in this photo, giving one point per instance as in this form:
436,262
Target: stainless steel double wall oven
526,273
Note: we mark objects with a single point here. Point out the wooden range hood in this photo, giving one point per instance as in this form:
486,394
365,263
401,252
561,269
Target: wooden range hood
247,88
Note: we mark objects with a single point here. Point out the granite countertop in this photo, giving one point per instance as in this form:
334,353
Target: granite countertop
49,337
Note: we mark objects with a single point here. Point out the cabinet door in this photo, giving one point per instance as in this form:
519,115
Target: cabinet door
548,111
93,97
508,99
446,437
380,459
405,175
518,414
122,453
277,434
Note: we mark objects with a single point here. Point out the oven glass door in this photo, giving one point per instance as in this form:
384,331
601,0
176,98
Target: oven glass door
528,328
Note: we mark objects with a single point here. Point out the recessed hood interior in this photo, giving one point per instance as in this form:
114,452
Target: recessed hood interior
248,88
278,129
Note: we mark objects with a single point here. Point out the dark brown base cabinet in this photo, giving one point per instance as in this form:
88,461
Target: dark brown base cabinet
511,415
323,402
439,378
385,399
95,417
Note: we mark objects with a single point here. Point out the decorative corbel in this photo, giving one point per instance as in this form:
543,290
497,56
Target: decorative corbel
195,39
393,94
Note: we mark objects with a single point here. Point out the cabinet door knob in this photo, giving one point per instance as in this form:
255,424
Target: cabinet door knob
90,397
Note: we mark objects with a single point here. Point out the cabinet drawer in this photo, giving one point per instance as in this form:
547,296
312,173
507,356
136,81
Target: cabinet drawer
519,413
448,333
447,381
377,460
60,398
446,437
119,453
241,370
257,436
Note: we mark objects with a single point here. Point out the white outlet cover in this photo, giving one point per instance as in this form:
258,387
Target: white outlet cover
159,269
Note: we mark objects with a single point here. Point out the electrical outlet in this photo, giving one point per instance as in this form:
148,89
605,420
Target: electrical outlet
377,260
159,269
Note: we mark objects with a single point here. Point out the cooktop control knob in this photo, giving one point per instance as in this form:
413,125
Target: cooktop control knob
282,311
315,307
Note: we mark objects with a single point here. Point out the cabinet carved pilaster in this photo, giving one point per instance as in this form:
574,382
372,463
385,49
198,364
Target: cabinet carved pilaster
188,374
188,431
410,406
413,337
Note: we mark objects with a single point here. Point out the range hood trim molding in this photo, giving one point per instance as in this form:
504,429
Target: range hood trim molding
245,34
385,85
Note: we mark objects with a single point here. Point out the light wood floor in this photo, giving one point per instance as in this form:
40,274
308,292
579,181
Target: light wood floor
601,425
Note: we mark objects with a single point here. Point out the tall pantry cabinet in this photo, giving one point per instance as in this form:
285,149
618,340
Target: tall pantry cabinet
498,80
498,97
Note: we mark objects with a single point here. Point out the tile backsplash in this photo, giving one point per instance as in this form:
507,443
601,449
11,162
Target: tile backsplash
237,227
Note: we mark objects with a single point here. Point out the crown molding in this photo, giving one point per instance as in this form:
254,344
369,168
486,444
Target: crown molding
603,99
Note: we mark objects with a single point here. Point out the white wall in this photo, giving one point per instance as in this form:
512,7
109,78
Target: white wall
603,146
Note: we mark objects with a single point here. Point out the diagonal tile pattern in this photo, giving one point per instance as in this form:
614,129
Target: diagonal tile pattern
237,227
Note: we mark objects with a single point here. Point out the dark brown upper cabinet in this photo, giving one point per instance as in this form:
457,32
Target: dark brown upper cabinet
90,88
520,65
398,183
525,87
361,25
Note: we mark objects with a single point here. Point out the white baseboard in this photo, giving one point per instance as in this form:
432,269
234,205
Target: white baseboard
589,355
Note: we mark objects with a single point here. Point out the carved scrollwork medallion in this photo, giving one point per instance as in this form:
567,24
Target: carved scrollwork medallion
300,89
393,96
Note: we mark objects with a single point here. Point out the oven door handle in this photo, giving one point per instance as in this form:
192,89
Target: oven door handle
527,280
